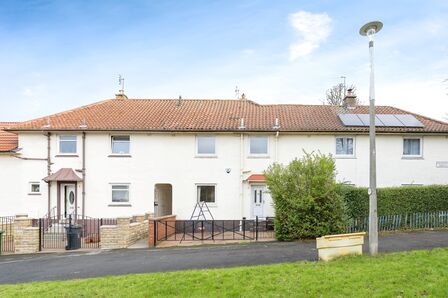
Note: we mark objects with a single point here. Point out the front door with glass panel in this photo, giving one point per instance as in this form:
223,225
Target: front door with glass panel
69,198
258,200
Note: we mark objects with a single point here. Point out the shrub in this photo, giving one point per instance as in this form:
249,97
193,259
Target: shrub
306,202
395,200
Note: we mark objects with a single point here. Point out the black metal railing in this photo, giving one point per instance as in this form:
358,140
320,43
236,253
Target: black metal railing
212,230
409,221
53,234
6,226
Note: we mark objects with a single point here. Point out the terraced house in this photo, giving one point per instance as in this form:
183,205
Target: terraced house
126,156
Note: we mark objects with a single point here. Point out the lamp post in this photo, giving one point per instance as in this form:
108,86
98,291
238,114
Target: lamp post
369,30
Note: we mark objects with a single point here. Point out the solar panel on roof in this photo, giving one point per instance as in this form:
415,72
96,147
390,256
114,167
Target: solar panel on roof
409,121
387,120
350,120
378,121
365,119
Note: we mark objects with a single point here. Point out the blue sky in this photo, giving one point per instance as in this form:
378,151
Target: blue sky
57,55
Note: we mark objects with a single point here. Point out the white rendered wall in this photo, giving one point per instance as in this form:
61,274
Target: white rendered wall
16,175
171,158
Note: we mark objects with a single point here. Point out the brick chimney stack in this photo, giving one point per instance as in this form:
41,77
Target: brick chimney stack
350,100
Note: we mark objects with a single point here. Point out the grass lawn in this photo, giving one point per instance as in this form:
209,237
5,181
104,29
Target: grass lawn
409,274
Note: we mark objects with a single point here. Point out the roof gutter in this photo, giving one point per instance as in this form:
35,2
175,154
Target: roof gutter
237,131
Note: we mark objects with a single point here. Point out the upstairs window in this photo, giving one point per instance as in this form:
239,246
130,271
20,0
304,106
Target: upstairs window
258,145
206,193
121,144
345,146
412,147
34,188
67,144
206,145
120,193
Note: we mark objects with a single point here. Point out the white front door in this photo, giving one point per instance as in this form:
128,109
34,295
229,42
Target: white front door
261,202
257,200
69,199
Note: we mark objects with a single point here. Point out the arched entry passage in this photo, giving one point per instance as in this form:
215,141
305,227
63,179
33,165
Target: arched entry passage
163,199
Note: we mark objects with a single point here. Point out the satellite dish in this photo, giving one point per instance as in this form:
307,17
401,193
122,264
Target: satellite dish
376,25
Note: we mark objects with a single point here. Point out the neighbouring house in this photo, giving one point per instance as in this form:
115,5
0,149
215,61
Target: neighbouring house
126,156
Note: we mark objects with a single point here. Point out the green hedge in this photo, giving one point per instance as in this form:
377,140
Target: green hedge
395,200
305,198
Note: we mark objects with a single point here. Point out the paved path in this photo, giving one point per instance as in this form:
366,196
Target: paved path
59,266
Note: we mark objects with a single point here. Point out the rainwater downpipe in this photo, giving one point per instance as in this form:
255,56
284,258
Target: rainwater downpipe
83,174
241,173
49,171
276,146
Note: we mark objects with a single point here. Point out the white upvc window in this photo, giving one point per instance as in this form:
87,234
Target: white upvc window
206,193
120,193
412,147
120,144
258,145
205,146
34,188
345,146
67,144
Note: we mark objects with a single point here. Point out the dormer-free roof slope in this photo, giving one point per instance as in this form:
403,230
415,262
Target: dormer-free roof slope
8,140
213,115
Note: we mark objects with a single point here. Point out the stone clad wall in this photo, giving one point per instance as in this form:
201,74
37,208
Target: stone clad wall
26,237
124,233
109,237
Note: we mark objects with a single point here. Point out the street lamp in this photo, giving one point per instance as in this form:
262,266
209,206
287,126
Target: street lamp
369,30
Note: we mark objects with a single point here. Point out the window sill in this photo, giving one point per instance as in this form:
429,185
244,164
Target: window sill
206,156
345,157
119,205
119,155
67,155
34,194
258,156
412,157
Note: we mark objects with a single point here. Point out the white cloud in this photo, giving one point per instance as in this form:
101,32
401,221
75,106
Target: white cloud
313,28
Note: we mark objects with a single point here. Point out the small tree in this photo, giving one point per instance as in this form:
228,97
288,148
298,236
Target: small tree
305,198
335,95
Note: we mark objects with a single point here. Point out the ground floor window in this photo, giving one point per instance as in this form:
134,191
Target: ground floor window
345,146
34,188
206,193
120,193
412,147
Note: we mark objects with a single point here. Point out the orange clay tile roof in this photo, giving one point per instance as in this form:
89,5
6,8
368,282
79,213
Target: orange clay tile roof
213,115
8,140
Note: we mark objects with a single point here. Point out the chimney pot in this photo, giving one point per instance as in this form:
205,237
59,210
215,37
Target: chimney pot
120,95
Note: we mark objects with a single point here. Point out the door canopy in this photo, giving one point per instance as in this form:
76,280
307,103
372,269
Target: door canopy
256,178
64,174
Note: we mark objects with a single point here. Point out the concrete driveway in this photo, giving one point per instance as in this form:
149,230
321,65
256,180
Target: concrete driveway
61,266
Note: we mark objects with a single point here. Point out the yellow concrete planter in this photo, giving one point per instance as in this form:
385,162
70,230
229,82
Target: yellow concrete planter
333,246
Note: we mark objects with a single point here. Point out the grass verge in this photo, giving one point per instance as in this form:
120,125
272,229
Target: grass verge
407,274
